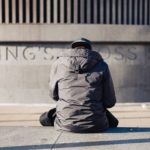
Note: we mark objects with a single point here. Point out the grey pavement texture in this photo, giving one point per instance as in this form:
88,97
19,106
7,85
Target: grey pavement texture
20,130
44,138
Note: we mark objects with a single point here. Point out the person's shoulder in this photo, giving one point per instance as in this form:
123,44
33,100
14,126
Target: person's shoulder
102,66
103,62
54,65
55,62
99,57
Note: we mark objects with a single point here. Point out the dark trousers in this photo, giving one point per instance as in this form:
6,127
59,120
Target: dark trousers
47,118
112,120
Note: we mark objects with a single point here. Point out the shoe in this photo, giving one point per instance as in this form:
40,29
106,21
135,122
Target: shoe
44,120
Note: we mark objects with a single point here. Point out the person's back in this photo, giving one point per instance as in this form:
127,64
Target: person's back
81,84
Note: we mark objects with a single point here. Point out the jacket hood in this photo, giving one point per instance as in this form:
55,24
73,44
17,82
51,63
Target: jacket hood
79,60
82,42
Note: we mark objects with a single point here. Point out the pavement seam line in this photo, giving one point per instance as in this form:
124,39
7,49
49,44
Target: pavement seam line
56,140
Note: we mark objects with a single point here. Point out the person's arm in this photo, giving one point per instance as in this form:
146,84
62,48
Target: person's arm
109,98
53,83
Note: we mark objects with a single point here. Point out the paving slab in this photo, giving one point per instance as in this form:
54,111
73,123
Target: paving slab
114,139
46,138
27,138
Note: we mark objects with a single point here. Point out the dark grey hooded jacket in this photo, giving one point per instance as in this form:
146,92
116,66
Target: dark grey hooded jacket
81,84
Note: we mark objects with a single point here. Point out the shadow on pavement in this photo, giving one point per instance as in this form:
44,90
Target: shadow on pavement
127,129
78,144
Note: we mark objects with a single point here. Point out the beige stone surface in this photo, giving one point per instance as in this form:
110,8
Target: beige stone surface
129,115
68,32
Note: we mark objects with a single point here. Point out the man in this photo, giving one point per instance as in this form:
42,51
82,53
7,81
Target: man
81,84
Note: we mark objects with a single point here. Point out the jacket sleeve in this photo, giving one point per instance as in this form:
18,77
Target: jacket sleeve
53,83
109,98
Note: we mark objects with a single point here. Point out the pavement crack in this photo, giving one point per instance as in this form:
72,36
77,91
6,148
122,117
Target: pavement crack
56,140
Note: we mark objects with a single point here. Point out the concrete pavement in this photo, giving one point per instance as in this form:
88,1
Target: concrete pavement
20,130
39,138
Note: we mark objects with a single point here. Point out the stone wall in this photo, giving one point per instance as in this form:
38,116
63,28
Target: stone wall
25,71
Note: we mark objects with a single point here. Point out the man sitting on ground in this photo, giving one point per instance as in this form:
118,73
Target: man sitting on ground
81,83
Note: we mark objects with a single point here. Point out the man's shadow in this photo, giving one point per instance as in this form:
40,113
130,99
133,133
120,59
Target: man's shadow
127,129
